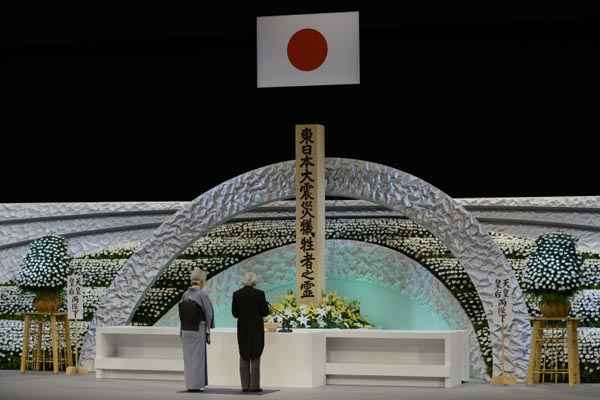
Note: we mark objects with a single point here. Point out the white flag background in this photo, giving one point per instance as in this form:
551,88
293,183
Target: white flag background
309,49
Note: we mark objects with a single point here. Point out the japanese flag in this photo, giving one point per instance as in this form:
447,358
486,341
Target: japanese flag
310,49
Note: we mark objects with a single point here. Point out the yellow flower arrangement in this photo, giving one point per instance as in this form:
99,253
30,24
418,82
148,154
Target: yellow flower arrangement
332,312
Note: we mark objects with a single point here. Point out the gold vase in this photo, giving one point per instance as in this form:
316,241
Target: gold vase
555,309
46,302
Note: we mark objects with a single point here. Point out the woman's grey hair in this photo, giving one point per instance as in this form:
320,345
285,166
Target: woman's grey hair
198,276
249,279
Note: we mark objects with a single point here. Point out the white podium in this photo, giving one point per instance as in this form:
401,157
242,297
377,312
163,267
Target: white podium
304,358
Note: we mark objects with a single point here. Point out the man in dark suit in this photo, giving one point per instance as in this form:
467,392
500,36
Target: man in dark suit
249,306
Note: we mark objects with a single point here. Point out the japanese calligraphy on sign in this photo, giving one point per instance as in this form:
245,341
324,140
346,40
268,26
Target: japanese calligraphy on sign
74,297
310,212
502,295
503,312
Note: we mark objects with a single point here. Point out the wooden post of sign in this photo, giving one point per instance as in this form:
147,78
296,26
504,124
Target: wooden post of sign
25,353
310,213
38,345
67,333
54,339
573,352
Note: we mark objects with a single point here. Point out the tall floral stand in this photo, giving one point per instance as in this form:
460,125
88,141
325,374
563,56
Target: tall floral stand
38,354
560,334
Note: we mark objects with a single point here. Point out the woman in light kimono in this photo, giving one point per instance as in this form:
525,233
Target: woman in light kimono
196,317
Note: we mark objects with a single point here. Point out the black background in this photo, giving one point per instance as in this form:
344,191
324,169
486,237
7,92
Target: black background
155,104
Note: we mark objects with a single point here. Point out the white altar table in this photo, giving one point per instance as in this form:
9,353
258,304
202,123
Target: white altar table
303,358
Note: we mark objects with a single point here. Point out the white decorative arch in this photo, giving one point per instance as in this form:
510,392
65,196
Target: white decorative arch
421,202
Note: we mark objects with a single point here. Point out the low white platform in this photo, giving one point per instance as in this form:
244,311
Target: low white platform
304,358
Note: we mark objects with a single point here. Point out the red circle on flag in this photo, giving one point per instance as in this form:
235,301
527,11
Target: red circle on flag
307,49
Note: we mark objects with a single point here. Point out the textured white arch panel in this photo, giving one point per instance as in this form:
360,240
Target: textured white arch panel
576,218
19,232
10,211
563,201
418,200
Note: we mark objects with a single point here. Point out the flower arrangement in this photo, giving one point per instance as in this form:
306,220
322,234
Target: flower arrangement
178,272
589,354
112,253
419,248
45,265
15,301
332,312
513,247
156,303
590,274
553,271
96,272
91,299
585,305
44,271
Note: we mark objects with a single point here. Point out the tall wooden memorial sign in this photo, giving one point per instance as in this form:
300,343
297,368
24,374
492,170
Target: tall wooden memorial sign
310,213
504,310
75,312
